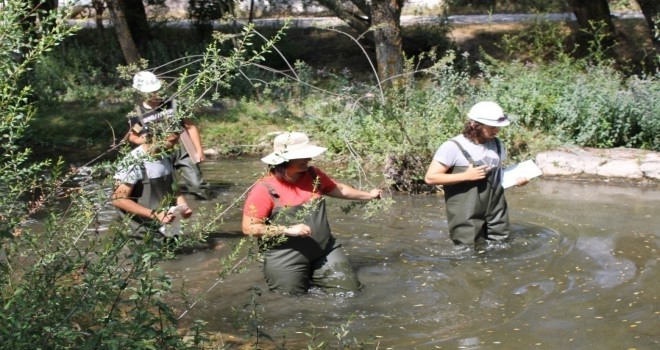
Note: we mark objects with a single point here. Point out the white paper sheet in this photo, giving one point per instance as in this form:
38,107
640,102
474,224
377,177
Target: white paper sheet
527,169
174,228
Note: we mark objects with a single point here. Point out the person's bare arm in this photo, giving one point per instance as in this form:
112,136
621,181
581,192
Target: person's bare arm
344,191
437,174
135,138
121,199
195,137
253,226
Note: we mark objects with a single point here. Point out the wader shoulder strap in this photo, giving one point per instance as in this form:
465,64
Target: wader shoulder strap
272,192
499,148
465,153
146,187
315,183
312,172
141,112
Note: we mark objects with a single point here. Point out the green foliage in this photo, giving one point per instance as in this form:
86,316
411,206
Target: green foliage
587,101
204,12
74,71
20,49
71,278
413,118
553,98
541,41
341,338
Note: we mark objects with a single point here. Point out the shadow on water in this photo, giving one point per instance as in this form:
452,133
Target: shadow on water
580,272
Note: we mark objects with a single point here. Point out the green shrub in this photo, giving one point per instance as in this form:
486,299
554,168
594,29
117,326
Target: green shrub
587,105
70,276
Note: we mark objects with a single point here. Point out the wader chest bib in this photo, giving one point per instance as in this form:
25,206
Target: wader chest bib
190,171
149,193
300,262
313,214
477,210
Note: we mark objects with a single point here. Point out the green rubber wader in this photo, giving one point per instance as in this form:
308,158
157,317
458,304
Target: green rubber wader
190,172
477,210
149,193
297,264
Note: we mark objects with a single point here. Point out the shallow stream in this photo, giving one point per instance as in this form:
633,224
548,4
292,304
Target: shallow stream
581,272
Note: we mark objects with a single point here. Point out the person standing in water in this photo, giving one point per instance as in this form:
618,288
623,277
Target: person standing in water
145,186
286,210
190,151
469,167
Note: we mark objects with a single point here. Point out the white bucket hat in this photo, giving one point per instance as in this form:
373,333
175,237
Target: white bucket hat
292,145
146,82
489,113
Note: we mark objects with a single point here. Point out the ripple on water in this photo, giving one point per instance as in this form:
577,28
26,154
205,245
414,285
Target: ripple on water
527,241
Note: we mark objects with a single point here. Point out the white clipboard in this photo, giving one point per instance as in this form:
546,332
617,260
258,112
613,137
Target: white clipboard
527,169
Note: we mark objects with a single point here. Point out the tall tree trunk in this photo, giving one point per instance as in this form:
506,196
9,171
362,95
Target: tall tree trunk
118,16
386,20
651,11
99,8
251,16
136,17
592,11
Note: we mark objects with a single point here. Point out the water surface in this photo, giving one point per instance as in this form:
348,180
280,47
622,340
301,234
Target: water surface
580,273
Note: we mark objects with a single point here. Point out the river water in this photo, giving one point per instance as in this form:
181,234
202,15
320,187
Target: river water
580,273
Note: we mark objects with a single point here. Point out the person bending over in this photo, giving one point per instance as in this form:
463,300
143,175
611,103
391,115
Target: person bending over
145,184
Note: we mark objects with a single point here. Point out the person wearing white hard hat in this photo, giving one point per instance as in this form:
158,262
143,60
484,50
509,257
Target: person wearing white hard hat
469,168
285,209
146,82
190,153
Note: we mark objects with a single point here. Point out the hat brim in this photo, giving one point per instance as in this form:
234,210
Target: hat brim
148,88
496,123
309,151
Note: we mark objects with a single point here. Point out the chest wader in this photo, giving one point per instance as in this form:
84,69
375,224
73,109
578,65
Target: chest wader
183,163
190,172
299,263
476,210
149,193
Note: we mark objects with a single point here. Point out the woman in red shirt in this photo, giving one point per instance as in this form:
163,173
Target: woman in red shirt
286,210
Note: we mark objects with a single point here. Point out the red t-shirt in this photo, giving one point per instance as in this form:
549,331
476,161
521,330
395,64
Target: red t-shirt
259,202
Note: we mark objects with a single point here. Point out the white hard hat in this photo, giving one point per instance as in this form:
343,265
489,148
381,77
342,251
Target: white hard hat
146,82
489,113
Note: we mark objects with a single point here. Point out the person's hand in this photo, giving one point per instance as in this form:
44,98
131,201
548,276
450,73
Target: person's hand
301,230
478,173
521,181
375,193
164,217
187,213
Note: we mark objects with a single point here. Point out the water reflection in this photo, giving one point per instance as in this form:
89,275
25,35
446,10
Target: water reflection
580,272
